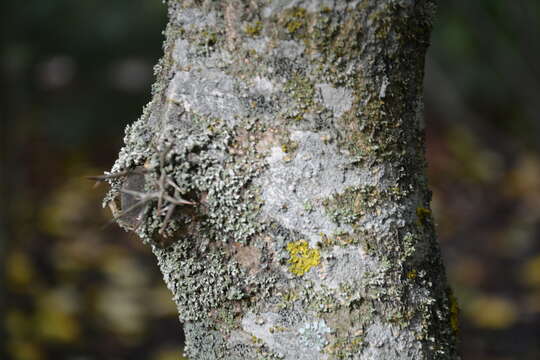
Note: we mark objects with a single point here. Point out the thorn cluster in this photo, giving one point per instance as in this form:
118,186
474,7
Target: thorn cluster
166,203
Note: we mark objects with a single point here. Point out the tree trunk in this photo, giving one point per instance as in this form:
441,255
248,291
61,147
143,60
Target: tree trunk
279,176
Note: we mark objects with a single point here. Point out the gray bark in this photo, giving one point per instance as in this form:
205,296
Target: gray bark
279,176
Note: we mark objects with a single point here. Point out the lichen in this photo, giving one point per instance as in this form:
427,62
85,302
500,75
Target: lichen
354,147
253,29
289,146
302,90
312,334
345,347
208,38
219,188
346,207
200,282
295,19
303,258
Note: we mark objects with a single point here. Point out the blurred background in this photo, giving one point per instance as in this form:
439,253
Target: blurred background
74,73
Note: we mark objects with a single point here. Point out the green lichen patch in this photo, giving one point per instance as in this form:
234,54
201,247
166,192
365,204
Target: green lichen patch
253,29
302,90
335,39
224,204
203,40
294,20
313,334
345,346
303,100
302,257
340,238
208,38
347,317
289,146
345,208
201,282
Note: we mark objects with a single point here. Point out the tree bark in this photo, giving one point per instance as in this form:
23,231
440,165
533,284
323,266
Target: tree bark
279,176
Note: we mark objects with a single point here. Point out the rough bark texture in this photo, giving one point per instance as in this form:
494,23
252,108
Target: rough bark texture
279,176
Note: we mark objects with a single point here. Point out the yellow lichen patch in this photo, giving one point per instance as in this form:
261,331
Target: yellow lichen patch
302,257
412,274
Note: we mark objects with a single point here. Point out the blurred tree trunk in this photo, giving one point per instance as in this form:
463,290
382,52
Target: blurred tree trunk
279,176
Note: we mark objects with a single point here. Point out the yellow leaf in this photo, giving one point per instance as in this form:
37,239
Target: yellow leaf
530,272
491,312
19,269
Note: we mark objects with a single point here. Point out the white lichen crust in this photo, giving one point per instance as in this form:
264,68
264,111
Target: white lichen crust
279,176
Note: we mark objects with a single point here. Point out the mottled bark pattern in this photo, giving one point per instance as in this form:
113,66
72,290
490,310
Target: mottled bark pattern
295,127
